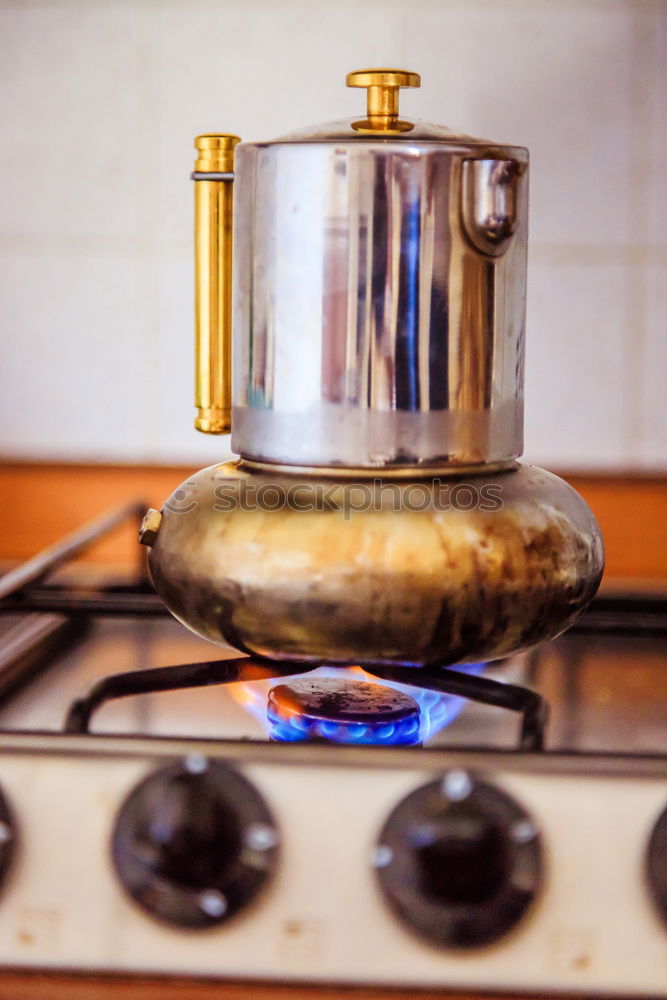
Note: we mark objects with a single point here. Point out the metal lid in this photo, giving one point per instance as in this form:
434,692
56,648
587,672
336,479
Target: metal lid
383,123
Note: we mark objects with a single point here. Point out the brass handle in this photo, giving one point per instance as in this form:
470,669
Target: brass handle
382,98
213,281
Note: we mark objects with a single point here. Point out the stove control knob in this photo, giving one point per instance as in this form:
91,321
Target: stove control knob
194,843
656,865
7,837
459,861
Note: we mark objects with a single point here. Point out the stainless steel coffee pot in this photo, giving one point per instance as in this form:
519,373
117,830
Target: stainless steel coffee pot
373,355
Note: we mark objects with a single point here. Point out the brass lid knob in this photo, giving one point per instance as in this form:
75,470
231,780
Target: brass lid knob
215,152
383,86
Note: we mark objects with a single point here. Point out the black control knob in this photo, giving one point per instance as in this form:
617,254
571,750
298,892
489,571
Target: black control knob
459,861
194,843
7,837
656,865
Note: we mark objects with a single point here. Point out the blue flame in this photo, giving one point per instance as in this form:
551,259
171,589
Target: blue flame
294,728
435,712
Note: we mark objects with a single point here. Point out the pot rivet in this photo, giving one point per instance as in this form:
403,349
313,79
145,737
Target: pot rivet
150,526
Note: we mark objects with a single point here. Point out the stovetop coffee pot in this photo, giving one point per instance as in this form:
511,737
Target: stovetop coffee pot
371,372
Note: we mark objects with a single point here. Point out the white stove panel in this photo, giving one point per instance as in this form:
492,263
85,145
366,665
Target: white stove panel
593,927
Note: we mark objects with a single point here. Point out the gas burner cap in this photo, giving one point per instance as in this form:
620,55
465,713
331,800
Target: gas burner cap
342,710
341,700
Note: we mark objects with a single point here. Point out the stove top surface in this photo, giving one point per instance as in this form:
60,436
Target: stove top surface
605,682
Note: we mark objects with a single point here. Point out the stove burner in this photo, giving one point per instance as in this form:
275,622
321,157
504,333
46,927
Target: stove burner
342,710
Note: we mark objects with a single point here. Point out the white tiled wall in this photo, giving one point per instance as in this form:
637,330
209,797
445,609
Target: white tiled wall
99,102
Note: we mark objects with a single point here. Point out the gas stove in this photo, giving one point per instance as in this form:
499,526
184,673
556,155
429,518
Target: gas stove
496,826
